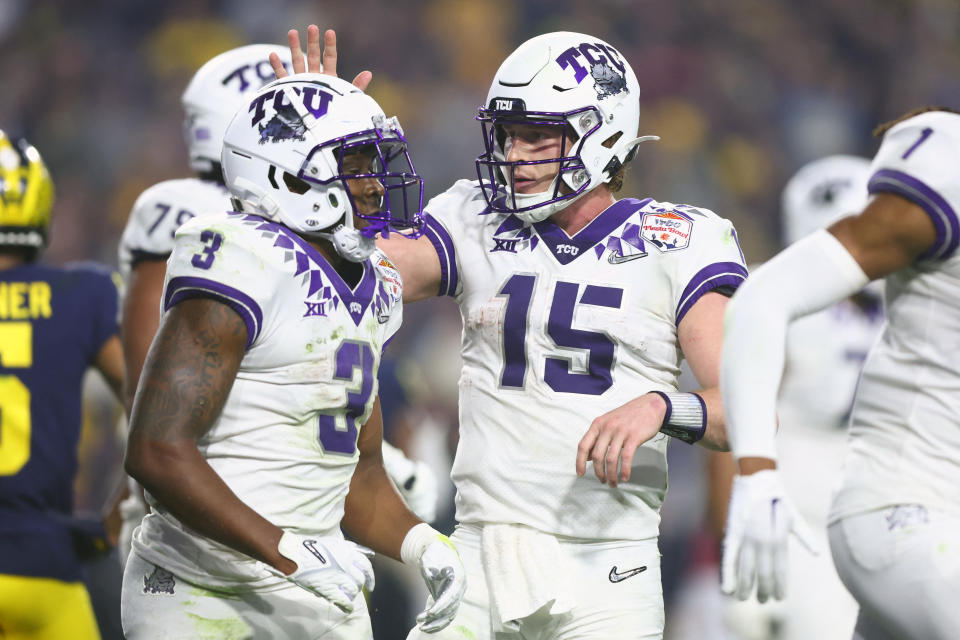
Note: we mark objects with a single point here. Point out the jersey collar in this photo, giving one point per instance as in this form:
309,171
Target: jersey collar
566,249
319,273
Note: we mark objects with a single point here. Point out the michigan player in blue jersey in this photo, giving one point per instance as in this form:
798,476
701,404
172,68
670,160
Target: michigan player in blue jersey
54,324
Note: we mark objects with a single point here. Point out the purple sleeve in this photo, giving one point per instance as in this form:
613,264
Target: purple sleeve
186,287
443,243
941,213
718,274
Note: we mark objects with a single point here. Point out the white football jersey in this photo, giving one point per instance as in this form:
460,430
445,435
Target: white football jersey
159,212
286,440
905,428
558,331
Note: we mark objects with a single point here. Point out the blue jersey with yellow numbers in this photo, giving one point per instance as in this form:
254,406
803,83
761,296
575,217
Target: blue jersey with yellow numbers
53,323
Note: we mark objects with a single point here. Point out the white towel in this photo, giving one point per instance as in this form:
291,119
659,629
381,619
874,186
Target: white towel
525,571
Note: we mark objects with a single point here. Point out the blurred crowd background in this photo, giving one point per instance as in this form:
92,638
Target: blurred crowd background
742,93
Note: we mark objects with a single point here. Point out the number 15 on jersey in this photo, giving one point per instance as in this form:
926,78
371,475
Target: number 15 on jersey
520,289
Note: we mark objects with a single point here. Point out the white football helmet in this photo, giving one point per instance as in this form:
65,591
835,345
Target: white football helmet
560,78
822,192
215,93
283,158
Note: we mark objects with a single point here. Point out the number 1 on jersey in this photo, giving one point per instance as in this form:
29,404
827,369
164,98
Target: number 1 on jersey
923,136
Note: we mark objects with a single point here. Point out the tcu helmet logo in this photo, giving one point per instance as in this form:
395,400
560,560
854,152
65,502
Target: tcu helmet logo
262,71
606,67
286,123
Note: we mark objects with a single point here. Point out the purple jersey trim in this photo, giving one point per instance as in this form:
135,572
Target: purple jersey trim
941,213
736,241
443,243
185,287
718,274
362,294
596,231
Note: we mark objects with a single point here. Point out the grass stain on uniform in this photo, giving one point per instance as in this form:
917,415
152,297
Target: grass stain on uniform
220,629
465,632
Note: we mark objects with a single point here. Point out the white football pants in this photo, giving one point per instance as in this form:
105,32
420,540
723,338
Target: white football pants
157,605
902,564
607,606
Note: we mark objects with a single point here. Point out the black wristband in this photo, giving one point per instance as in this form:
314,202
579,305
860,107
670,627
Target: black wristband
686,416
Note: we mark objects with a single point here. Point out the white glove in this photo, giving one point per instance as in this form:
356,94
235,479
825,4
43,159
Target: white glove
759,520
442,571
330,567
414,480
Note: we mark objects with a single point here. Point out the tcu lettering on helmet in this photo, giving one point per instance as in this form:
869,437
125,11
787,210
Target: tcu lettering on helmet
244,81
593,55
284,157
286,123
215,93
543,83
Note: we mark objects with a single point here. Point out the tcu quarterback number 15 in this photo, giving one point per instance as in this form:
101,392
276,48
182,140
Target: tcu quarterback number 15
519,291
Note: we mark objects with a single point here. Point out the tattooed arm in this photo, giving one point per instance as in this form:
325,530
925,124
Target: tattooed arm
187,376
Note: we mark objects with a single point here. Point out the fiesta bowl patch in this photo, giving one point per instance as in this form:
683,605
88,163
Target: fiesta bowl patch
667,231
390,277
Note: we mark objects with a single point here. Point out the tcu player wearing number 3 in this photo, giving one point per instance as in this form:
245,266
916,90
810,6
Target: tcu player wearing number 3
894,525
577,309
215,92
257,408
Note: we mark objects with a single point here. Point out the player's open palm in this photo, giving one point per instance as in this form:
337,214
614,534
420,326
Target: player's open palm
614,437
317,60
759,520
330,567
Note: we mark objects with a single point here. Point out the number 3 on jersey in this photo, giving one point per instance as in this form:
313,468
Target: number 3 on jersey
213,242
519,291
342,438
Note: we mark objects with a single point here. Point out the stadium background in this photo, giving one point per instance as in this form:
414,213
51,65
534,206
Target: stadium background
742,93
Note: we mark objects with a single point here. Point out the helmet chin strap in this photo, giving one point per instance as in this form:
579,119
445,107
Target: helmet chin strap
350,243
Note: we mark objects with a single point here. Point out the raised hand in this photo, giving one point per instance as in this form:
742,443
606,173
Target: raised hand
317,60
